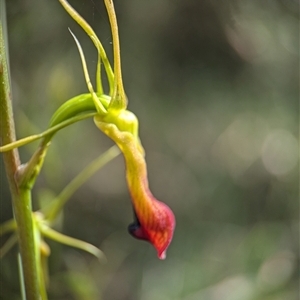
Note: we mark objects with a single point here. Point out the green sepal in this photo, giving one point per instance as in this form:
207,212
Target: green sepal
80,104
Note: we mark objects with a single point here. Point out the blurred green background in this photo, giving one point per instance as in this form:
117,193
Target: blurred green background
215,85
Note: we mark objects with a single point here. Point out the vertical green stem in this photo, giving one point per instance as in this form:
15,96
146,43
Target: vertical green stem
21,199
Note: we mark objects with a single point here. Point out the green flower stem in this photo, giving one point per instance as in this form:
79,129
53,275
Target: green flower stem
47,134
76,109
58,203
38,245
27,174
21,199
27,243
21,277
69,241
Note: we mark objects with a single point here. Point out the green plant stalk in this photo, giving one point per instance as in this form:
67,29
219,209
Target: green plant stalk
22,287
47,134
21,199
58,203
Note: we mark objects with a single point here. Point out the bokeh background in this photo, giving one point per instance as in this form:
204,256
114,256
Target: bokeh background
215,85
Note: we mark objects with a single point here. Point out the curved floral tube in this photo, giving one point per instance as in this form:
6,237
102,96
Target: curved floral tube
155,221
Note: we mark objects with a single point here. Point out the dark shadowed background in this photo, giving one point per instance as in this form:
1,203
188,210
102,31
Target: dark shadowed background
215,85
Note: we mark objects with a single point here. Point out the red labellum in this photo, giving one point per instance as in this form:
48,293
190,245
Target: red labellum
156,227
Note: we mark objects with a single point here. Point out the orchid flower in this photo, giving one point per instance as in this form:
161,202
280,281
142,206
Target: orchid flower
154,220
